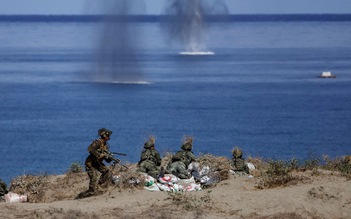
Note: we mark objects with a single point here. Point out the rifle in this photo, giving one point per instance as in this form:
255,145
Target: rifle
109,156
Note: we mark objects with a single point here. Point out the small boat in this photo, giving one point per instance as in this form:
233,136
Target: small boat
327,74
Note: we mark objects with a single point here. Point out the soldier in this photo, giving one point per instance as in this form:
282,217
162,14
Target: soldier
150,159
182,159
238,162
94,162
3,190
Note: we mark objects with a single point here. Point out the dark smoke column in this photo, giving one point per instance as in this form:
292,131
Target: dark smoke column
185,21
117,53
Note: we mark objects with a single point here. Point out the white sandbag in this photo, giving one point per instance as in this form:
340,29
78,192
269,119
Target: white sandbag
204,179
168,178
170,187
149,180
192,187
193,166
251,166
13,197
152,188
115,179
204,171
191,180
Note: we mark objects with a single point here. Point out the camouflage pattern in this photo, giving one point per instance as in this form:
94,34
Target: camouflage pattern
104,132
148,145
94,164
179,169
239,164
187,146
149,161
237,152
180,163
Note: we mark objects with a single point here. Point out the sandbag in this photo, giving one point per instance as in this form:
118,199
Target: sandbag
14,197
170,187
168,178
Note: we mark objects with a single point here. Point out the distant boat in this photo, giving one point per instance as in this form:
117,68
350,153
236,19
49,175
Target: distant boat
327,74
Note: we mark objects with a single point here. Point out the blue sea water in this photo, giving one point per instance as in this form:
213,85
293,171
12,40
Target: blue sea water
259,91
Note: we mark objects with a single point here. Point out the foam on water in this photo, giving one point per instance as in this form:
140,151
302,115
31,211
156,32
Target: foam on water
131,82
206,53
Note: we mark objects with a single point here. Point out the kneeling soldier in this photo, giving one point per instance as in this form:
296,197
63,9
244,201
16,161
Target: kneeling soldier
150,159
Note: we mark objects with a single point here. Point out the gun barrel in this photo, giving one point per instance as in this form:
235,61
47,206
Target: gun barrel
119,153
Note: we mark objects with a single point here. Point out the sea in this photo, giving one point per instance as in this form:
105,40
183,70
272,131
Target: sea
254,85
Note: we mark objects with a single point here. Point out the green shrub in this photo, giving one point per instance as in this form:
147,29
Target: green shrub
75,168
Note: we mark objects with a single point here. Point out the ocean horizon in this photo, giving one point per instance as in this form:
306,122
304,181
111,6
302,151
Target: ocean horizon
160,18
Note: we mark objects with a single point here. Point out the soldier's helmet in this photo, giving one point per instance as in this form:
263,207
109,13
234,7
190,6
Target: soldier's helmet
237,152
187,143
150,143
104,132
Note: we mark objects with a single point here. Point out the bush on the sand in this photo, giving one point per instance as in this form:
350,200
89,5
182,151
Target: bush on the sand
278,173
75,168
341,164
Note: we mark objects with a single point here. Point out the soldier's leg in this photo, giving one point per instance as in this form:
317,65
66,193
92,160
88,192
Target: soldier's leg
142,167
172,168
153,170
92,173
105,174
182,171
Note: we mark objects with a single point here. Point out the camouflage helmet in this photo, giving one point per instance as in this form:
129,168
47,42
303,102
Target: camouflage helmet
237,152
187,143
104,132
150,143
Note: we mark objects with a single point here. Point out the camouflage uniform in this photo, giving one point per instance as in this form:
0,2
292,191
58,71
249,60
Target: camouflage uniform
238,162
149,160
181,161
94,163
3,190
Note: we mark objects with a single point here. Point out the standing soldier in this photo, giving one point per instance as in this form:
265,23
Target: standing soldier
150,159
182,159
238,162
94,162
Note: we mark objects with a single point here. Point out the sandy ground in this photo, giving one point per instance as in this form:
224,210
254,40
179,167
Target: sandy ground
322,195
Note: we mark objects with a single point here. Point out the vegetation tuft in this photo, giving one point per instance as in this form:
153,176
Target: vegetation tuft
192,202
75,168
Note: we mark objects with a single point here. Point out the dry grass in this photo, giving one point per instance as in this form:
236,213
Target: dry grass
219,165
269,174
340,164
192,202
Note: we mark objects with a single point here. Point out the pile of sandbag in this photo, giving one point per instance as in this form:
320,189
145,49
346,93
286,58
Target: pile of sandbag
170,183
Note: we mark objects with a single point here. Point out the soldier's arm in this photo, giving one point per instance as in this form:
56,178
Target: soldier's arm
177,156
144,155
158,158
93,149
192,156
